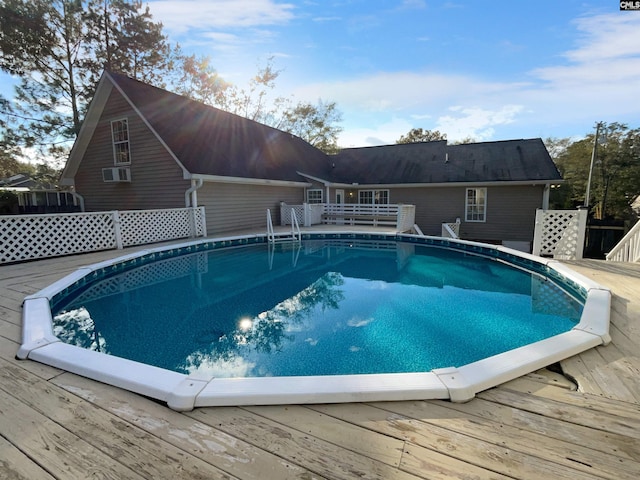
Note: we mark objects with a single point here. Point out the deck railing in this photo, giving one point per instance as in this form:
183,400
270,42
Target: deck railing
399,216
29,237
628,249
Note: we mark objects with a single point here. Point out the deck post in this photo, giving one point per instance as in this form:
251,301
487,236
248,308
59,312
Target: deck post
116,229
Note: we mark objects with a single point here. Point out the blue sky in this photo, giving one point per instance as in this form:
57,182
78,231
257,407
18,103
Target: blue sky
491,70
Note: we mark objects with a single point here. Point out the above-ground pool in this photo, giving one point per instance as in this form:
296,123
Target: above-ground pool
339,317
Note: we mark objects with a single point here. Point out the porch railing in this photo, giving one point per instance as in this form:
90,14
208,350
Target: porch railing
29,237
399,216
628,249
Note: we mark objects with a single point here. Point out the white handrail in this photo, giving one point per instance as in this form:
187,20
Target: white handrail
271,237
295,226
627,249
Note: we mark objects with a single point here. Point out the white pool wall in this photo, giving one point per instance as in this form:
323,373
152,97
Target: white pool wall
184,392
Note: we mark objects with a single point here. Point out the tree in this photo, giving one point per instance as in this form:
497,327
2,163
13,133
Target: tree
417,135
316,124
59,48
615,179
463,141
125,39
199,81
9,152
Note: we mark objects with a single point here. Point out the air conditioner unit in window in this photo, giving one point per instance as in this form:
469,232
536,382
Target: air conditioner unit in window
116,174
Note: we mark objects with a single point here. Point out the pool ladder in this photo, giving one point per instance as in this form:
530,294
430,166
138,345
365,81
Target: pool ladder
295,234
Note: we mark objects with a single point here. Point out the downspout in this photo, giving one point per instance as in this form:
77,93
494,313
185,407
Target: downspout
190,196
545,196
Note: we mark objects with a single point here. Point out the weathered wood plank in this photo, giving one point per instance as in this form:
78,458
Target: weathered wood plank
47,443
8,350
483,443
15,465
624,426
205,442
10,331
583,400
134,448
313,453
608,443
549,378
350,436
422,461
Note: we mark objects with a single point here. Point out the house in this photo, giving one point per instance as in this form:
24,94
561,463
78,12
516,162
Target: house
142,147
494,188
21,194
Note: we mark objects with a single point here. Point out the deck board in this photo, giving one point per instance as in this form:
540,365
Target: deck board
54,424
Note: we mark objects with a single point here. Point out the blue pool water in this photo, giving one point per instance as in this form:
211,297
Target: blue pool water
324,308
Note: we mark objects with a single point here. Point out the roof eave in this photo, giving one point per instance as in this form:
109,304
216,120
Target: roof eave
248,181
500,183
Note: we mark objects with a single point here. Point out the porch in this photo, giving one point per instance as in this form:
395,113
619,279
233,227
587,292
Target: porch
400,217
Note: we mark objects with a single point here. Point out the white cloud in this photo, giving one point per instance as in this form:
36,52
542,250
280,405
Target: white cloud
382,134
359,322
208,365
606,37
180,17
594,81
475,122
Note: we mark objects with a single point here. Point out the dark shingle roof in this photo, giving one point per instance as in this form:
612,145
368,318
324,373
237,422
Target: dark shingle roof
437,162
210,141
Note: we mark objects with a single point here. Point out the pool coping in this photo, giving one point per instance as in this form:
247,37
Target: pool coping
184,392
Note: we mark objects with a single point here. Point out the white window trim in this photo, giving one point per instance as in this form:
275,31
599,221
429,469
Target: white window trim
114,142
315,190
467,205
373,195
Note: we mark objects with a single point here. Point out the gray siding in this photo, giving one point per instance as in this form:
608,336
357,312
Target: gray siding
156,179
511,210
232,207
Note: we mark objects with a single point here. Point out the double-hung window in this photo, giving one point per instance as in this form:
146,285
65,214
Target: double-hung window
120,137
314,195
375,197
476,205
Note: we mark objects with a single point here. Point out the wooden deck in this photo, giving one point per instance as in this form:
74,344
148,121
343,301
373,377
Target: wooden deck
57,425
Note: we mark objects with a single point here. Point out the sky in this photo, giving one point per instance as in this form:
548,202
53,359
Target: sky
486,69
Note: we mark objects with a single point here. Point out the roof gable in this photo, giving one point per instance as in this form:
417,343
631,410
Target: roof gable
210,141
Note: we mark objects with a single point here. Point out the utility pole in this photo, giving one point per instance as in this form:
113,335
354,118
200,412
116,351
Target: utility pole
587,195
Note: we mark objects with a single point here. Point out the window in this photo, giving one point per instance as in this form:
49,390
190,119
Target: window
375,197
120,136
476,205
314,195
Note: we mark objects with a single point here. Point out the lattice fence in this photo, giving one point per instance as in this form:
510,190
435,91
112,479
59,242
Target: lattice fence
29,237
560,233
139,227
285,213
26,237
145,275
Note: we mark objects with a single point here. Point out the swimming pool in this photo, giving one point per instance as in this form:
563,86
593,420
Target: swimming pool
255,344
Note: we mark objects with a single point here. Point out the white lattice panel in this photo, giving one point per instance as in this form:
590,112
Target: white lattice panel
139,227
560,233
145,275
27,237
285,213
549,299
